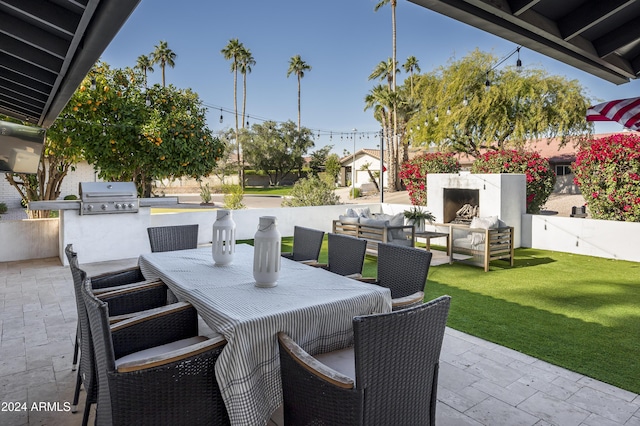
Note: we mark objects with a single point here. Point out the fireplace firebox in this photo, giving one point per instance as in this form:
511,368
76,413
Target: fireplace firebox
460,205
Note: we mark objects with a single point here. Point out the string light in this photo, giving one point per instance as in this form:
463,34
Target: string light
221,117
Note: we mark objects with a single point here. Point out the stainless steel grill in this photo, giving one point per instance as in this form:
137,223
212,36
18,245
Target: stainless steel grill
108,197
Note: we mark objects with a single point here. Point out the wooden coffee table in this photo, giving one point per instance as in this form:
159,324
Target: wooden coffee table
428,235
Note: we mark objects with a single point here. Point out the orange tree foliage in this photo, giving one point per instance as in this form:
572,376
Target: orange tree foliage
127,140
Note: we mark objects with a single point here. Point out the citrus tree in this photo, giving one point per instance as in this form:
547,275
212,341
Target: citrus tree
132,134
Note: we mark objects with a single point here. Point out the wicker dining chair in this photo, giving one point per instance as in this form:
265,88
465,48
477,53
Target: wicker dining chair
170,238
345,255
307,243
389,376
404,271
154,369
125,300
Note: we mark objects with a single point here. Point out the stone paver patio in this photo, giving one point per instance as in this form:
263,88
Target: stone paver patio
481,383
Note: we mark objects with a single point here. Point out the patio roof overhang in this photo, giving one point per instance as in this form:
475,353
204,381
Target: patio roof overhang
599,37
47,48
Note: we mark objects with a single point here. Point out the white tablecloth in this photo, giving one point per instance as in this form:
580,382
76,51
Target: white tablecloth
315,307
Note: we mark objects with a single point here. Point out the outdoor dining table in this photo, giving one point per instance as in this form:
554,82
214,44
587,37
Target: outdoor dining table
313,306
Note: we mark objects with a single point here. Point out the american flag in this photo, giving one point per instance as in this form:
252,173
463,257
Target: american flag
623,111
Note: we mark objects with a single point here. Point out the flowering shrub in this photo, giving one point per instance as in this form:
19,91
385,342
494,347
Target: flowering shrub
540,177
414,173
608,174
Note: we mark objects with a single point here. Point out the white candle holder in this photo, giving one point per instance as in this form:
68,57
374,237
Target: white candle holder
266,252
223,241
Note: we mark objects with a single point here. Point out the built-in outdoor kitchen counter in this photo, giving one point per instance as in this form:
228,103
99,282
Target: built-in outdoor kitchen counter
108,222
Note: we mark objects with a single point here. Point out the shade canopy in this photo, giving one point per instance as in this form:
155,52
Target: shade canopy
601,37
623,111
47,47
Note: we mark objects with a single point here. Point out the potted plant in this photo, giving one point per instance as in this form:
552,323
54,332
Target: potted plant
416,216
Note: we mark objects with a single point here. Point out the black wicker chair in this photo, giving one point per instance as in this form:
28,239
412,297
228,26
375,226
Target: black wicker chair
108,281
389,377
125,300
306,244
170,238
404,271
154,369
345,255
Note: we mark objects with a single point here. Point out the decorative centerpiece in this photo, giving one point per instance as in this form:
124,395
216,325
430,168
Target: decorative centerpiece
416,216
223,242
266,252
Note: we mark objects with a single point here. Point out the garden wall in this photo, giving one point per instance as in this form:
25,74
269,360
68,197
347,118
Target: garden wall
34,239
592,237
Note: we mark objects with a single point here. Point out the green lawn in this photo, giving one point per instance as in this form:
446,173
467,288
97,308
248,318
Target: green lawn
579,312
275,190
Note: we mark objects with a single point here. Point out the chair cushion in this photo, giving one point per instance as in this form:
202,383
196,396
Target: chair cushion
342,360
159,350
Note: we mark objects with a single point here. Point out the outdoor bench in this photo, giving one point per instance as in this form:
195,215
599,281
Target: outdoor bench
374,234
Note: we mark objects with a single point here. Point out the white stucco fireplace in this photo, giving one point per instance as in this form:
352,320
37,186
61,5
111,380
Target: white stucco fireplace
502,195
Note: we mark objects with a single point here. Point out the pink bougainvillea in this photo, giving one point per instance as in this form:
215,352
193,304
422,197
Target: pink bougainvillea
540,177
608,168
414,173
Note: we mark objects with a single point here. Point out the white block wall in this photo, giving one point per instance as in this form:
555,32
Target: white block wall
84,173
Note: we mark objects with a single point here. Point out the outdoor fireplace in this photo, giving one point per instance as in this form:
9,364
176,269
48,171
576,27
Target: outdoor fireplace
460,205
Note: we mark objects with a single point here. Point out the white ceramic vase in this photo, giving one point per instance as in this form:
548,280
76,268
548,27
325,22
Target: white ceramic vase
223,241
266,252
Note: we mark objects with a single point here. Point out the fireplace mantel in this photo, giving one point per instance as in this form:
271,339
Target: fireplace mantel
502,195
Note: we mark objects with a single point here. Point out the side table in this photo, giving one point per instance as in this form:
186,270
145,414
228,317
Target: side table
428,235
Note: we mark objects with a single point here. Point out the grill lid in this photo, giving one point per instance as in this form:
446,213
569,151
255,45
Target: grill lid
107,190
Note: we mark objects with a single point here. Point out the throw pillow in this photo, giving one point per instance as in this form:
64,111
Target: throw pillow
348,219
359,212
487,222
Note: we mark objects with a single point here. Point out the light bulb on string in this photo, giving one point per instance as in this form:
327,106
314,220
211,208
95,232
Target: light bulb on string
518,62
221,117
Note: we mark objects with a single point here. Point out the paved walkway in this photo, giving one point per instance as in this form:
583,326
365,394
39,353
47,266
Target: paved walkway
481,383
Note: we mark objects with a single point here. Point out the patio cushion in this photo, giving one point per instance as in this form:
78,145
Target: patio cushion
159,350
376,223
342,360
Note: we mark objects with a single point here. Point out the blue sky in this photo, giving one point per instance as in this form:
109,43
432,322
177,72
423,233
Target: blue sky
342,40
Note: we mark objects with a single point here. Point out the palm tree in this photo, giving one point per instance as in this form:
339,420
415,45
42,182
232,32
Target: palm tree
382,100
233,51
393,3
144,64
297,66
410,66
163,56
246,61
384,71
